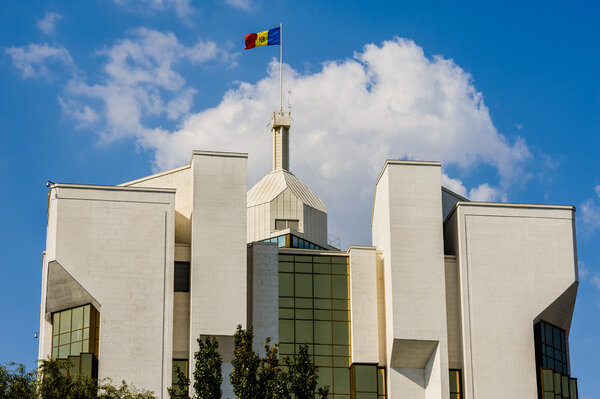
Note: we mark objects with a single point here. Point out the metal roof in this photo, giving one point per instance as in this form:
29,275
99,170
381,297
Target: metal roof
273,184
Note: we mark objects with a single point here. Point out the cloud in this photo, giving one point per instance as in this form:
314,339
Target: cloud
33,60
389,101
182,8
140,83
486,193
590,212
245,5
48,24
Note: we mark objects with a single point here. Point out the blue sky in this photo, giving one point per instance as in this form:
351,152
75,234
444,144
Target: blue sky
506,94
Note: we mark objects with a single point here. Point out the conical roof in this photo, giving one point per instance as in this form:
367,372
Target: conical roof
273,184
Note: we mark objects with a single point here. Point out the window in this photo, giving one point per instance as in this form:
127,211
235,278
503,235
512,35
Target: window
554,380
183,366
314,309
182,277
282,224
455,384
554,385
368,381
75,336
551,347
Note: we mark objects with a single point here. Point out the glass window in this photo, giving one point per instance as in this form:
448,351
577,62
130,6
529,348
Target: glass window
551,347
323,332
77,318
304,285
341,380
286,284
286,330
455,379
181,281
341,334
71,332
314,309
304,331
322,286
182,364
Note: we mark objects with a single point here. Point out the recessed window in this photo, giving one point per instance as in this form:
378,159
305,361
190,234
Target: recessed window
182,277
75,336
455,384
282,224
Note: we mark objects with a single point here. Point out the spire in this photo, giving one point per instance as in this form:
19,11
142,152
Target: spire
282,121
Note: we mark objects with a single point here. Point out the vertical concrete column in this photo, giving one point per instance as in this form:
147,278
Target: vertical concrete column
364,333
407,228
263,268
218,273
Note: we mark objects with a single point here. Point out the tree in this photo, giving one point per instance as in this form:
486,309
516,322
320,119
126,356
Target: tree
303,376
272,380
16,382
50,381
108,391
207,373
255,377
244,377
180,390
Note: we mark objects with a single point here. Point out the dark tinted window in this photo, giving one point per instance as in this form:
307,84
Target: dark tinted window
182,276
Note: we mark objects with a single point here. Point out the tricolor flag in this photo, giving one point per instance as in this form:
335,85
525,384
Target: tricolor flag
267,38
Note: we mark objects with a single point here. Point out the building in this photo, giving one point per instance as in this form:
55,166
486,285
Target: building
452,299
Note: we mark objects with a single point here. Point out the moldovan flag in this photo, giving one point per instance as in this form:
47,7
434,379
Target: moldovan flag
267,38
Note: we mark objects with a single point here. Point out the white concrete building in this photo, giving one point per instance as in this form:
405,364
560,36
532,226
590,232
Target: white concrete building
452,299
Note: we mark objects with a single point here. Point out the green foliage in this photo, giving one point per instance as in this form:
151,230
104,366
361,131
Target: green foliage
54,383
16,382
180,390
244,377
272,380
108,391
207,373
303,376
255,377
51,382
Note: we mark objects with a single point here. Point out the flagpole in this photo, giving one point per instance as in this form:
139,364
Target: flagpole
280,67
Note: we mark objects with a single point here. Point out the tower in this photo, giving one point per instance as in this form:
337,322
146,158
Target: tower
280,207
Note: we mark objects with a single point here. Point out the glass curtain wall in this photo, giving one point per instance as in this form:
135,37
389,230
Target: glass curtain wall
314,308
75,336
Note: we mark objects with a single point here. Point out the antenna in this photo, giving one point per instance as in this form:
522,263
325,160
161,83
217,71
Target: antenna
289,100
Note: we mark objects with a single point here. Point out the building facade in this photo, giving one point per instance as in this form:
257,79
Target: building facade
452,299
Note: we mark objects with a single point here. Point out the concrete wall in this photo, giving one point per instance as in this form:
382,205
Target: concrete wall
259,222
117,243
263,263
218,297
181,180
407,228
364,332
516,264
453,315
315,226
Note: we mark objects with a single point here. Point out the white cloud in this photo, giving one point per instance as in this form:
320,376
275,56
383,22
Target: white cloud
486,193
590,212
454,185
182,8
82,113
32,60
389,101
48,24
140,82
245,5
